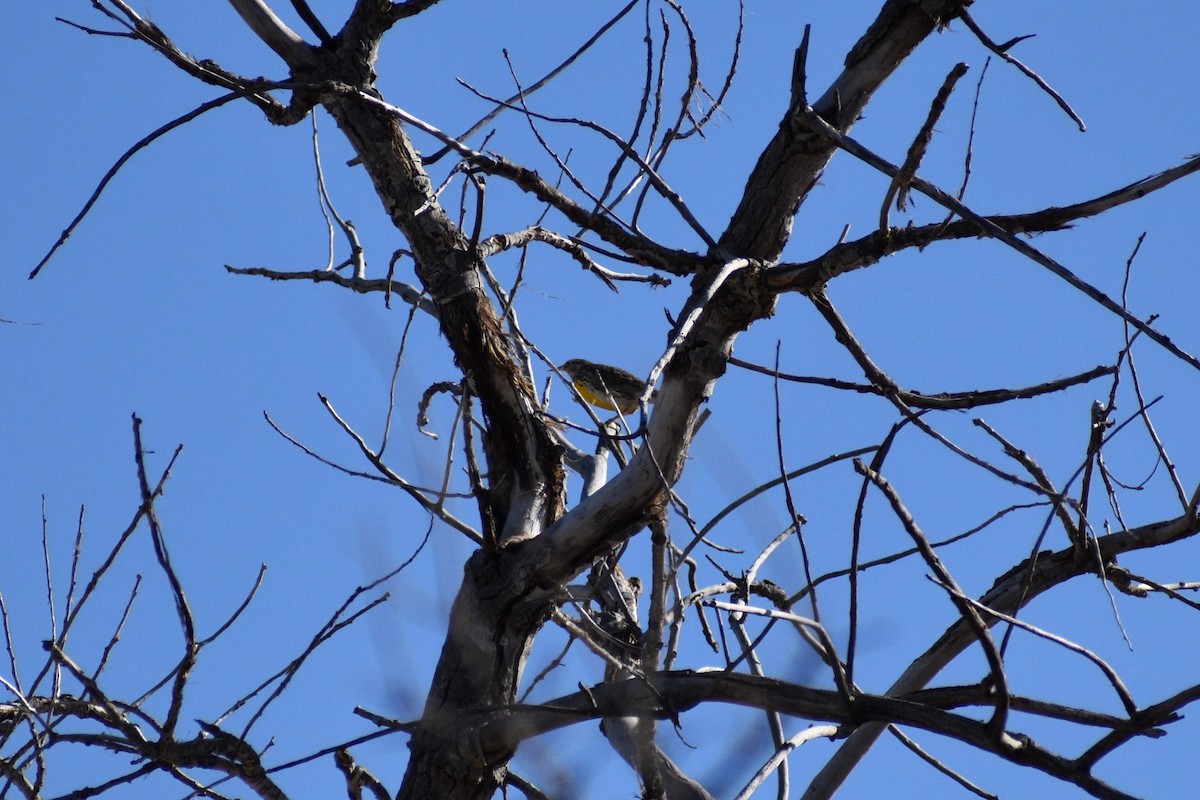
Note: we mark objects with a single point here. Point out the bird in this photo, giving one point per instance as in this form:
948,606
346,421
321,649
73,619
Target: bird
604,386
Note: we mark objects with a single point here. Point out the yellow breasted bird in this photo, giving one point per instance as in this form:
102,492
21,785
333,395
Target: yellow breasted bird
606,387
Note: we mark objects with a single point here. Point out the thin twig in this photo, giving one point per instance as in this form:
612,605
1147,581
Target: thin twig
116,636
120,162
541,82
414,492
877,462
1002,51
410,294
237,612
999,681
921,753
48,572
183,611
1118,685
1137,386
357,255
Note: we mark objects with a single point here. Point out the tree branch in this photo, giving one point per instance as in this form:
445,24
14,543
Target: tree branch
259,17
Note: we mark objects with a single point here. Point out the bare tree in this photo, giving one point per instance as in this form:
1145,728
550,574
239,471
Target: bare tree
544,560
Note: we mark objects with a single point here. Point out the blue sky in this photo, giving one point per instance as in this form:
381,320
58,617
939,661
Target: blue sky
136,314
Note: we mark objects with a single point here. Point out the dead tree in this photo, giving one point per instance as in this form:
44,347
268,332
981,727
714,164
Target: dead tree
546,558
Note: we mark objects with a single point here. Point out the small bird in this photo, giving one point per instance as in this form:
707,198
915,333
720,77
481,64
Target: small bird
611,388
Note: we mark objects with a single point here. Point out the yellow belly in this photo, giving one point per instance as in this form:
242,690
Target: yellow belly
603,400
